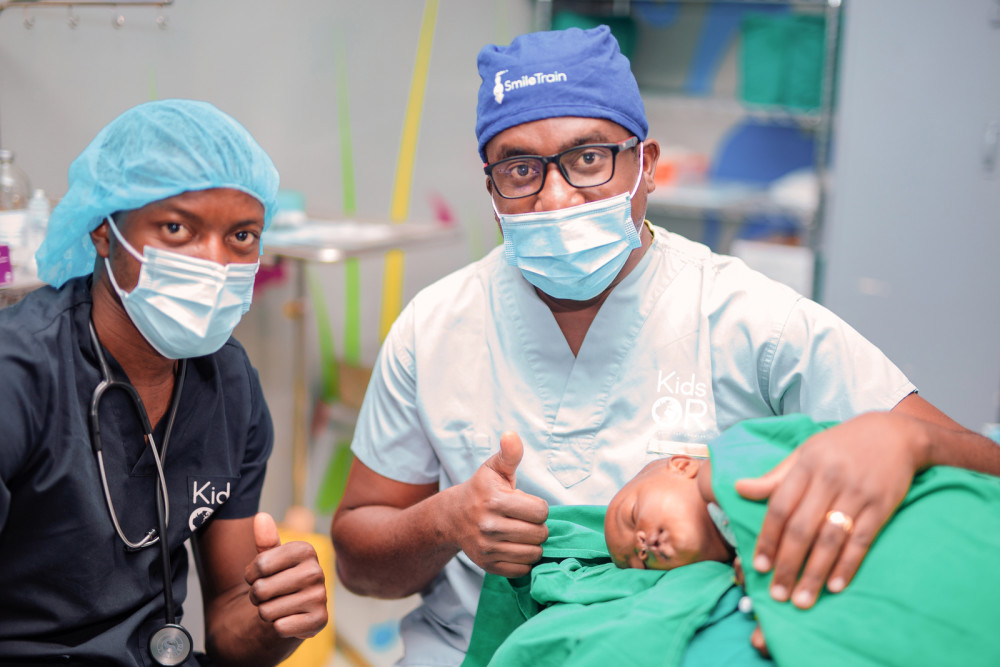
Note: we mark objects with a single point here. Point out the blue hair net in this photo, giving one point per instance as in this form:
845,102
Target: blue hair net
152,151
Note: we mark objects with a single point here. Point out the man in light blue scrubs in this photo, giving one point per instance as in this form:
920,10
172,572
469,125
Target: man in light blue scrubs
592,342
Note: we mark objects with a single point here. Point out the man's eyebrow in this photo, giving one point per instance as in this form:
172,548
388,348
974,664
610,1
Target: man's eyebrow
513,151
249,222
596,137
173,207
195,216
592,138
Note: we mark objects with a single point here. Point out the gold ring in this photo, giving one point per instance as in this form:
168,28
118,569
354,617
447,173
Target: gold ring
840,520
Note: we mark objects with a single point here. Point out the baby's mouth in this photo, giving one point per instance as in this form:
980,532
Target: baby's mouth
659,547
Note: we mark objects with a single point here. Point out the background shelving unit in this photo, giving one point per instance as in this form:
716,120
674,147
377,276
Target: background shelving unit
686,57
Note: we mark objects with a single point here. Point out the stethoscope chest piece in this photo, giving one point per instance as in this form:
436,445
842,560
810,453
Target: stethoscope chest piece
170,645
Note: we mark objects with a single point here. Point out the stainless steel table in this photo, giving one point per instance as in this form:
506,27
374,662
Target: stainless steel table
328,242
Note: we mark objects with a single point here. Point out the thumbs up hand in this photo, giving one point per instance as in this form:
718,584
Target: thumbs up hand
286,582
499,526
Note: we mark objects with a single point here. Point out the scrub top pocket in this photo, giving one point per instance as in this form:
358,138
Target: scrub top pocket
570,461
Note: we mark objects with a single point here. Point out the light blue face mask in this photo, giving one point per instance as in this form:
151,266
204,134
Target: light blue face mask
185,306
573,253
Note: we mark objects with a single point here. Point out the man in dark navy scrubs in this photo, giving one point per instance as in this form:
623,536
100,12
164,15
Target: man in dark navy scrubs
150,258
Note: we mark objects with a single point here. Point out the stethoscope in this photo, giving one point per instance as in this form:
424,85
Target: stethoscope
170,644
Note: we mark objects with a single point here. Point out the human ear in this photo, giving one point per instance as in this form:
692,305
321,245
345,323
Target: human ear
684,465
99,237
650,156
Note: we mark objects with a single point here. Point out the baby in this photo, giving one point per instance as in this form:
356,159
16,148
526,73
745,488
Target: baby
924,595
666,517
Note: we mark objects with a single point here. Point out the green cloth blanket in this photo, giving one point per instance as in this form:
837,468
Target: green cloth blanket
925,595
576,608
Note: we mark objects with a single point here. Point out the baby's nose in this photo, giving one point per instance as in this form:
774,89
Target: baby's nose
641,545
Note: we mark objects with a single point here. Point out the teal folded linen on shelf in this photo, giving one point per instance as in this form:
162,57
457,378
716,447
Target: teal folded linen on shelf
782,58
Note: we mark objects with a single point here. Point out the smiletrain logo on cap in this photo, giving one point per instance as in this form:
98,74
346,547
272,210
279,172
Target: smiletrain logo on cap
505,86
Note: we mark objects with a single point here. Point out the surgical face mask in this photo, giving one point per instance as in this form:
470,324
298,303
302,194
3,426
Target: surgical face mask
573,253
185,306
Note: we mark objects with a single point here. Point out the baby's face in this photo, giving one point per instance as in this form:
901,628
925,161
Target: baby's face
659,520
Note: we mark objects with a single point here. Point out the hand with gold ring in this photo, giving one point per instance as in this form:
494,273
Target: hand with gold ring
827,502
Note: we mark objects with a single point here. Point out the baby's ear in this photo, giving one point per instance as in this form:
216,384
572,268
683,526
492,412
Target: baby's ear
684,465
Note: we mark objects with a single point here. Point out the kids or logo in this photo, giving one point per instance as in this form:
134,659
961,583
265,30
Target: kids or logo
206,496
684,405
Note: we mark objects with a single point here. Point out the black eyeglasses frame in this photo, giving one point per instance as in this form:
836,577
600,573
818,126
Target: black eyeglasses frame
546,160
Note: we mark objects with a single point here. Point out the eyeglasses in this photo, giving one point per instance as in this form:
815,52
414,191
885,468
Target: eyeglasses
582,166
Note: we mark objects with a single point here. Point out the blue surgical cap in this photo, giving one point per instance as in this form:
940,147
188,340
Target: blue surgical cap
570,72
152,151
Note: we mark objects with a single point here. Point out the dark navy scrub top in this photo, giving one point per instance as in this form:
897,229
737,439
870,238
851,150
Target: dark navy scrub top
68,587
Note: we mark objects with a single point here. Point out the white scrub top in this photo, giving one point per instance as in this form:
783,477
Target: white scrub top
687,345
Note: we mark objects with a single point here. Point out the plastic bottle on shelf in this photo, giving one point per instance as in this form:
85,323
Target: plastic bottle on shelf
15,190
34,230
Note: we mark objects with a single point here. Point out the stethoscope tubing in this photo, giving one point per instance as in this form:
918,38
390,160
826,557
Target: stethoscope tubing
171,644
151,537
